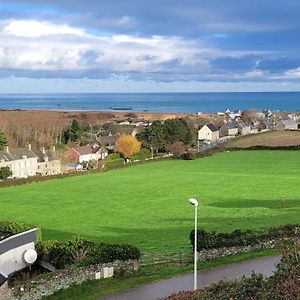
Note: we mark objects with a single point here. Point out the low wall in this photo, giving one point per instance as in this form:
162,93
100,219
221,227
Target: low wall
62,279
209,254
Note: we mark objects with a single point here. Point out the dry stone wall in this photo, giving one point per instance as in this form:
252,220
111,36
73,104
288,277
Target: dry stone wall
62,279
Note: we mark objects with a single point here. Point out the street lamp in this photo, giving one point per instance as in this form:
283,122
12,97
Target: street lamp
195,203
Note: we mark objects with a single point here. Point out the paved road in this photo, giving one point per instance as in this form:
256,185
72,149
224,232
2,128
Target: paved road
163,288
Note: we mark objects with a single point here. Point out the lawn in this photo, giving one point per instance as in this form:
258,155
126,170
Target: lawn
147,205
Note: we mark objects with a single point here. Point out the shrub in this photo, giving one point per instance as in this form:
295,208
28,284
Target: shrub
214,240
13,227
189,155
84,252
142,155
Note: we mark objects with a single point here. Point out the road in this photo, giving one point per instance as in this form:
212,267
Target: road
163,288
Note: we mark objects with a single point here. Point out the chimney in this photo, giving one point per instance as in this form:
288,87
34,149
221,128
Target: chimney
53,149
29,147
6,149
43,150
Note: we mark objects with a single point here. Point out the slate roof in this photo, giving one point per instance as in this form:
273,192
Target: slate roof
212,127
288,122
83,150
16,154
107,140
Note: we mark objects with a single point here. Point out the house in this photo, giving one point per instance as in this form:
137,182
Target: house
266,125
209,133
48,163
287,124
244,128
228,129
87,153
109,142
22,162
16,253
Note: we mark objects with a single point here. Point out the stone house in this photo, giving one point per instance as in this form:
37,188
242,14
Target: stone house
109,142
87,153
48,163
287,125
209,133
244,128
266,125
229,129
25,163
22,162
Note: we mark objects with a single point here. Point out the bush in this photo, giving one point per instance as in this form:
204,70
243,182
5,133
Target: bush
190,155
214,240
142,155
12,228
84,252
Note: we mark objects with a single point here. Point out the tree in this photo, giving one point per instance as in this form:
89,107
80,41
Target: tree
177,130
127,145
75,130
72,133
177,149
5,172
153,137
3,140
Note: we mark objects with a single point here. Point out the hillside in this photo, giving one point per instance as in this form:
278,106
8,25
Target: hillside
269,139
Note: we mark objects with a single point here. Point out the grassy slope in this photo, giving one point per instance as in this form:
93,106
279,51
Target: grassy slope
270,139
147,205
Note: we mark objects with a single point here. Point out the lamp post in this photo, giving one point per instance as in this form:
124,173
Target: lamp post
194,202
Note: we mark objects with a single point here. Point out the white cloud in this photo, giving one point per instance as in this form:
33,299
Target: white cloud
34,29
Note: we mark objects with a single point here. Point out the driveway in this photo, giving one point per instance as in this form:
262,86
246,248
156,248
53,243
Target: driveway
163,288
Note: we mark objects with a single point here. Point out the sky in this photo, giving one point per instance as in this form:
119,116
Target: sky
149,46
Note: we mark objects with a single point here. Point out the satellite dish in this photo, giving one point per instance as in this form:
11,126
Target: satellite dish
30,256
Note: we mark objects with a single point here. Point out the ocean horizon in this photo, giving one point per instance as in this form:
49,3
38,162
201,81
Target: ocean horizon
153,102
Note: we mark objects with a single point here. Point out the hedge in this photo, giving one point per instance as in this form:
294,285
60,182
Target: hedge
84,252
12,228
214,240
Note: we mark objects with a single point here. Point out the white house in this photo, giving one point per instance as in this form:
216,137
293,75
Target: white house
87,153
209,133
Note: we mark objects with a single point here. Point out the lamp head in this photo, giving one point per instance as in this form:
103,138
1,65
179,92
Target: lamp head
193,201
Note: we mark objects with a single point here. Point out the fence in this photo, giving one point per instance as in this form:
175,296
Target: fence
179,258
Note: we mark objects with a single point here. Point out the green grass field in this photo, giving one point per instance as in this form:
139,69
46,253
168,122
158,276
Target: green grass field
147,205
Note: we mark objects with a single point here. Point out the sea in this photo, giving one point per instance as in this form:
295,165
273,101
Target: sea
153,102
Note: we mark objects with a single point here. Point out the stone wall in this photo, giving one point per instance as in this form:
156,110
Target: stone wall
204,255
62,279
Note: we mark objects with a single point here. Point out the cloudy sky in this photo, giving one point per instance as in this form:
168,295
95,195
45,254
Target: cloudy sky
142,46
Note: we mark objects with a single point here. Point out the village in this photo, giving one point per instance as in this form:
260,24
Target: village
212,130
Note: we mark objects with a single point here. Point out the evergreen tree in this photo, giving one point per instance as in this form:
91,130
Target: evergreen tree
5,172
3,140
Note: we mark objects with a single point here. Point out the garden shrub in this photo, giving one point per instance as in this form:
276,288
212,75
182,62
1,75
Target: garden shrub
12,228
189,155
142,155
84,252
214,240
